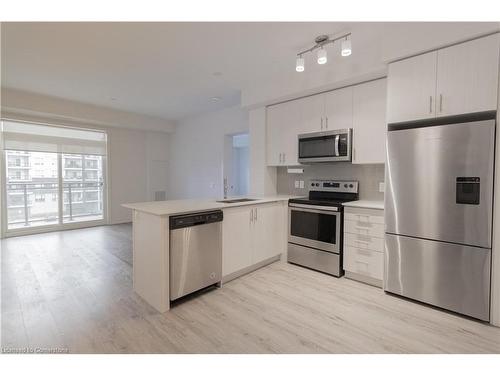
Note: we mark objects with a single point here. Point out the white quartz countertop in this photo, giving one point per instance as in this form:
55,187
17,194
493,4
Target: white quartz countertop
184,206
378,205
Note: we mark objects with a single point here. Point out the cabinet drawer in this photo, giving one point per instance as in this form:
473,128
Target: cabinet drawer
364,228
364,262
364,217
363,241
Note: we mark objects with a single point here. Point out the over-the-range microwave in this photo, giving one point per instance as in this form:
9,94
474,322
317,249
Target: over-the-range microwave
320,147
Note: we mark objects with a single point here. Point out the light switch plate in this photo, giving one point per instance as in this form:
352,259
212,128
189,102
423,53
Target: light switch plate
297,184
301,183
381,187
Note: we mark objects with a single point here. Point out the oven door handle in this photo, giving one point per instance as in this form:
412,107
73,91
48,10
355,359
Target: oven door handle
337,139
324,210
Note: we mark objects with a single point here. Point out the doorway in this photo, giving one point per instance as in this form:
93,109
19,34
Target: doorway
236,168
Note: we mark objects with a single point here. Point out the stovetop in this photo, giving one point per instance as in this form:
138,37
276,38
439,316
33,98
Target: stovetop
321,202
329,193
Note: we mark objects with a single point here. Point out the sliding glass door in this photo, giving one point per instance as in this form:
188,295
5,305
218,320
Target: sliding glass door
54,177
32,189
83,184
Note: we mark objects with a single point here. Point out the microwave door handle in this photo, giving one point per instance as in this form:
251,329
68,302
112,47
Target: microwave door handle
337,138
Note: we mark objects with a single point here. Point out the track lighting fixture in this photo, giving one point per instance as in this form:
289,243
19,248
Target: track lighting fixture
320,42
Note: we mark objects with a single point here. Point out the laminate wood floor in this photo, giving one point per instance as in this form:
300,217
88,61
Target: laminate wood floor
73,290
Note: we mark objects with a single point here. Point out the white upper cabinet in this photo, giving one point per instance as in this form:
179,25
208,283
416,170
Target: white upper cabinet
412,88
276,117
467,77
455,80
338,109
281,129
368,123
312,113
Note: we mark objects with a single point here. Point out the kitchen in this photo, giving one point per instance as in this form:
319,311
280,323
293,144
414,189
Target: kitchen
344,210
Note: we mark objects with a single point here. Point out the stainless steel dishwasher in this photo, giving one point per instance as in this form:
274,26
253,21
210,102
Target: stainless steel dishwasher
195,252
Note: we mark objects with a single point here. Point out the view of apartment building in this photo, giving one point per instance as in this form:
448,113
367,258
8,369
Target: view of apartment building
33,188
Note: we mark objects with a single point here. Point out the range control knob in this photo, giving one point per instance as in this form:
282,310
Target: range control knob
312,183
317,184
351,185
345,185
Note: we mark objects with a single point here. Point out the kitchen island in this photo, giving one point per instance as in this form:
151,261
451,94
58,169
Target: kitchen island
254,234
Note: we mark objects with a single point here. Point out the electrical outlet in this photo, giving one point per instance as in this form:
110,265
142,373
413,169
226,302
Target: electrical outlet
381,187
301,183
297,184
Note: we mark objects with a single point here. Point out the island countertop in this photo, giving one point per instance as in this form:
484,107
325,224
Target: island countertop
184,206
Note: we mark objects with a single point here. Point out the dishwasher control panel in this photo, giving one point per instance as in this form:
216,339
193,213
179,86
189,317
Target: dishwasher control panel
200,218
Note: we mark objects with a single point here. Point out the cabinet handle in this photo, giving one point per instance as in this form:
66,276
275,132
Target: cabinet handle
284,157
321,123
440,103
251,216
255,215
327,122
280,157
430,104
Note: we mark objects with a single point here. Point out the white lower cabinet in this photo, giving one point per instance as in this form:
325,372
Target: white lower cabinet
251,235
364,245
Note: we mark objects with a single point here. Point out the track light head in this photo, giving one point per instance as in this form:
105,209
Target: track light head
346,48
299,64
322,58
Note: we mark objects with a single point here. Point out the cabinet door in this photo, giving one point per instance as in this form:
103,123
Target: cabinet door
290,132
338,109
312,111
282,127
369,125
412,88
276,117
269,231
236,239
467,77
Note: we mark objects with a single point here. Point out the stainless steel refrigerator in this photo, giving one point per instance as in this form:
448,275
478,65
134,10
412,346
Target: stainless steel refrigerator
439,203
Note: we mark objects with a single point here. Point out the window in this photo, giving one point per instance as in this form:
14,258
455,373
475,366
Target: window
27,205
53,175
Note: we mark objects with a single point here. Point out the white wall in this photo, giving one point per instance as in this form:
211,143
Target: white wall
130,156
131,152
197,153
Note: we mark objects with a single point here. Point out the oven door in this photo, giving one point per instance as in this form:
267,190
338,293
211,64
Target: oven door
318,228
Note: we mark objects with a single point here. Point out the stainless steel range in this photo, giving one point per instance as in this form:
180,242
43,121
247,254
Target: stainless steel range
316,225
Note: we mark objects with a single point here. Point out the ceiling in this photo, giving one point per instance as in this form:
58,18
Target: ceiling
173,70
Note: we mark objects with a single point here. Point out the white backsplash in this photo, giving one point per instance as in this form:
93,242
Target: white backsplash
368,175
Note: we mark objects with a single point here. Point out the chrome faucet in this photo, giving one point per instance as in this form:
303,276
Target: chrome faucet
225,187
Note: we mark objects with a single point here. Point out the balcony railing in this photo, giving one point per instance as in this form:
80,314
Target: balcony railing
29,189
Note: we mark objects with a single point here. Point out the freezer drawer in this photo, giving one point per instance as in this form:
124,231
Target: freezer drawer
454,277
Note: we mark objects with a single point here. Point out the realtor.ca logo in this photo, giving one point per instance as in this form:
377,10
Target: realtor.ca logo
27,350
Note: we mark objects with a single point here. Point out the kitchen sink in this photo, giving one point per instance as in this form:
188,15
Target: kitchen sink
238,200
